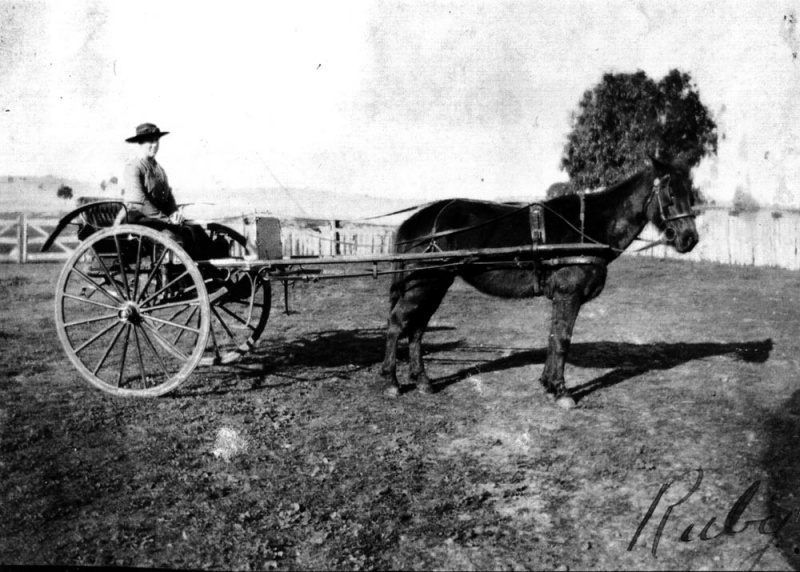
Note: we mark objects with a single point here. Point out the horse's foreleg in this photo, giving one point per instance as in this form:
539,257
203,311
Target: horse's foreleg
565,311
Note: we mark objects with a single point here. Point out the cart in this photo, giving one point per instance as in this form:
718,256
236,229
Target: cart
136,315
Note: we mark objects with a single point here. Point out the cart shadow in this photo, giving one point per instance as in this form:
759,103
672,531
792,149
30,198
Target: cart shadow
626,360
342,353
332,353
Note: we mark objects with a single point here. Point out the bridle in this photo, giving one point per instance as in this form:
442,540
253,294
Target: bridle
666,199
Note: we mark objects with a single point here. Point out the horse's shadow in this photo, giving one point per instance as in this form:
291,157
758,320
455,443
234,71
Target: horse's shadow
626,360
783,465
342,352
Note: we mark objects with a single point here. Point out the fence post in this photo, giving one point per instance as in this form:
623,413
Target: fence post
23,238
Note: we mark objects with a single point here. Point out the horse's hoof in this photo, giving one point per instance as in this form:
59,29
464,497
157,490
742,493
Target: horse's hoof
565,402
392,391
425,388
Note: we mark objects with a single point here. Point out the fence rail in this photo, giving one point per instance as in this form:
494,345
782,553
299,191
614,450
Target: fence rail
23,234
759,238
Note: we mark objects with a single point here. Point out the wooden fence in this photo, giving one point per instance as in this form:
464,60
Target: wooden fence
23,234
759,238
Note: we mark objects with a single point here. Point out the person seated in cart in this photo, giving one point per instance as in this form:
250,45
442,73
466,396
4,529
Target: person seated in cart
150,200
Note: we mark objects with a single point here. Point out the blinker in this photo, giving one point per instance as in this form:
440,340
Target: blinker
663,190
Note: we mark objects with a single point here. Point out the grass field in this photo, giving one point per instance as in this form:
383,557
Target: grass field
678,368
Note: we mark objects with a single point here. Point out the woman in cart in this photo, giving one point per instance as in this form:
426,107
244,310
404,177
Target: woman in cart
150,199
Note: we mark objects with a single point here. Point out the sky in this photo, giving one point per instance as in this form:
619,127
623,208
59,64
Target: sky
417,99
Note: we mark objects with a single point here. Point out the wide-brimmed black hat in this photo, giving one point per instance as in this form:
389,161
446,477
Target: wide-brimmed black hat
146,131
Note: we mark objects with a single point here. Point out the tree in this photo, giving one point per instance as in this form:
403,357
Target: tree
64,192
627,117
743,202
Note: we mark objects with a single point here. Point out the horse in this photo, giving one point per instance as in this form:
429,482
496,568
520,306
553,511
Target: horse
660,193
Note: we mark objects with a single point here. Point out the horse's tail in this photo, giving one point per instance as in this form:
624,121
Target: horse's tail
413,235
397,288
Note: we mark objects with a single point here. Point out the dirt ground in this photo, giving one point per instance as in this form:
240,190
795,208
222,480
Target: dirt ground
688,414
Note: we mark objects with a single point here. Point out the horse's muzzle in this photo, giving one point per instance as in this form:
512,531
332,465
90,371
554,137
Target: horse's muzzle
683,241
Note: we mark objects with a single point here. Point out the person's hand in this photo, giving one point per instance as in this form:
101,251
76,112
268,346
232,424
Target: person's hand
176,217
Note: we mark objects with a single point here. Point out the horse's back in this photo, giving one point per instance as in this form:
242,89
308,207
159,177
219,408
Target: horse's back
464,223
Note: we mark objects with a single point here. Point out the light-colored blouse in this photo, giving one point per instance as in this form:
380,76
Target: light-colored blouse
147,188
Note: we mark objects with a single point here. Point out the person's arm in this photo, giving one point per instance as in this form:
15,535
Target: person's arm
133,181
170,205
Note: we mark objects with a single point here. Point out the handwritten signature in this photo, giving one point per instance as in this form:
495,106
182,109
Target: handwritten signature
731,526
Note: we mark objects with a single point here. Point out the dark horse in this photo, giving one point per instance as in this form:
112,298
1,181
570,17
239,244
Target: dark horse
661,194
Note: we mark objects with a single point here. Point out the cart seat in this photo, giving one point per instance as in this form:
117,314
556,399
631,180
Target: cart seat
101,216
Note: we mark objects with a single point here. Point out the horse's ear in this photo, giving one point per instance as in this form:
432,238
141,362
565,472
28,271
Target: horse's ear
663,180
658,164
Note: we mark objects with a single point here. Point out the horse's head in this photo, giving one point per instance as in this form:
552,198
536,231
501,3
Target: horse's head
670,205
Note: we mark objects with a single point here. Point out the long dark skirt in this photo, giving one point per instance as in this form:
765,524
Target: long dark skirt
192,237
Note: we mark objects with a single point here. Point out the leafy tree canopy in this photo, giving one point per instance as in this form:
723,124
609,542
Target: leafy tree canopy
627,117
64,192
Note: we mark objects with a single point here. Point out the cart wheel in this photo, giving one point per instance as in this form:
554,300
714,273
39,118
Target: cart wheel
132,311
240,307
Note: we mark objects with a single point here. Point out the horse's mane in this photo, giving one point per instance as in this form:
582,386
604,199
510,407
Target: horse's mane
622,186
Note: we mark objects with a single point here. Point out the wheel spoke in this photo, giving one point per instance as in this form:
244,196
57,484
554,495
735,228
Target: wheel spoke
237,317
94,338
225,327
108,349
136,271
164,343
139,353
124,353
214,343
173,324
108,274
97,287
169,305
165,287
122,267
90,320
85,300
186,323
154,350
153,271
174,316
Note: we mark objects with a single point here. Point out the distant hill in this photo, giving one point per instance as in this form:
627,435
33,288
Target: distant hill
38,194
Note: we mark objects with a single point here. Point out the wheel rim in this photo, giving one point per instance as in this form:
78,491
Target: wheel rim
132,311
240,308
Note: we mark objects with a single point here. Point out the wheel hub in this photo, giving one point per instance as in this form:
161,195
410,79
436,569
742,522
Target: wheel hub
129,313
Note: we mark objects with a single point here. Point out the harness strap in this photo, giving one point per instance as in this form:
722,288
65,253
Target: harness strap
570,260
536,215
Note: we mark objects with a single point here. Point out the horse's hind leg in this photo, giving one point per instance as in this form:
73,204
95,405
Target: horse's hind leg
565,312
389,367
413,304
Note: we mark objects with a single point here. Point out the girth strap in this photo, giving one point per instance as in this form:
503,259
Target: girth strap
570,260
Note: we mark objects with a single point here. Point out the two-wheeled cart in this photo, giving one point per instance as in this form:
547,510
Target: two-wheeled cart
136,314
